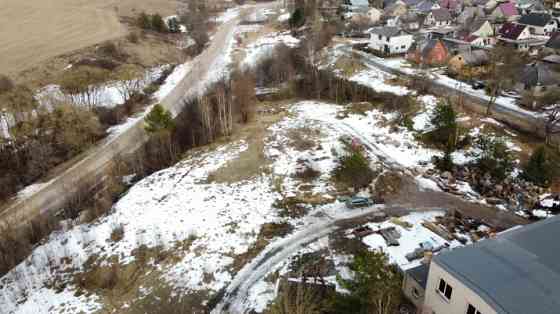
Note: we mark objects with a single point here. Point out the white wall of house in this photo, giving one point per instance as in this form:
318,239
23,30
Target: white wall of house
486,30
525,34
393,45
543,30
461,295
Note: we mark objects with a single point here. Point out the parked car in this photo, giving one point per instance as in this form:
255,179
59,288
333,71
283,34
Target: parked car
358,201
511,94
478,84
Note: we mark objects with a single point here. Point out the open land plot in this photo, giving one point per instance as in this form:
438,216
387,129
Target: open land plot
34,31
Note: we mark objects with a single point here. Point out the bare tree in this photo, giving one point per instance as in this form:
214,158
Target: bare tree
551,125
129,80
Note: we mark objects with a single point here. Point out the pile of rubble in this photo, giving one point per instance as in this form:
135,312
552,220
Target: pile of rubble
511,193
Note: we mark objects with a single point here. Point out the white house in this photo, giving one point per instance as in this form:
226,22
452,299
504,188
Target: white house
516,273
438,18
539,23
390,40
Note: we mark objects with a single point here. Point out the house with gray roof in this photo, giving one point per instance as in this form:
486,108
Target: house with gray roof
539,23
390,40
516,272
439,18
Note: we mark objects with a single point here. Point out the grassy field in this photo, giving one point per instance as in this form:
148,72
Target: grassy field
36,30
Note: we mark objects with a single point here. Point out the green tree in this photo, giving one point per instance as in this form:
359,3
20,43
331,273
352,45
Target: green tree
159,120
173,25
144,21
158,24
543,166
493,157
376,285
353,170
445,129
297,19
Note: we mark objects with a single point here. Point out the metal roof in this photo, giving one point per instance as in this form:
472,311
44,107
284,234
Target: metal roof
516,273
535,19
420,274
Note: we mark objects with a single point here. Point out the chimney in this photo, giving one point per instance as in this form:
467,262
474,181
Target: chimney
427,257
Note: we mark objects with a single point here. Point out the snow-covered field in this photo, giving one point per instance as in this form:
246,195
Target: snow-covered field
264,46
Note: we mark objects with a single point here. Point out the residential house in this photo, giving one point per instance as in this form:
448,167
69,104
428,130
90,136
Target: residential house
390,40
515,35
374,15
537,78
438,18
553,60
539,23
425,6
471,61
443,32
456,46
517,272
454,6
430,52
478,33
553,44
410,21
505,12
469,14
530,6
395,9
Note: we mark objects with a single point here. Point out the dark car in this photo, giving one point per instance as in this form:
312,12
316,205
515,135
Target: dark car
357,201
478,84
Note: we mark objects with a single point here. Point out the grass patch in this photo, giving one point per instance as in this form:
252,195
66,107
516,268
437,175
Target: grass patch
348,66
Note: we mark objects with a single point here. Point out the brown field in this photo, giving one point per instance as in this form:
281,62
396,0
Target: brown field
34,31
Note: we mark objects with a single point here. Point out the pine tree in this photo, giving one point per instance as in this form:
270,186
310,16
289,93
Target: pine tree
158,24
444,121
542,167
173,25
297,19
159,120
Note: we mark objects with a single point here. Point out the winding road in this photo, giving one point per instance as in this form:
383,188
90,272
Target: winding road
54,194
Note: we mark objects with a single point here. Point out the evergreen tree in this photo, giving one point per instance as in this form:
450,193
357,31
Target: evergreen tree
444,121
376,286
494,157
297,19
159,120
158,24
542,167
354,170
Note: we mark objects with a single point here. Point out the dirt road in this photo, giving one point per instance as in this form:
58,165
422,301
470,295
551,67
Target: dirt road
53,195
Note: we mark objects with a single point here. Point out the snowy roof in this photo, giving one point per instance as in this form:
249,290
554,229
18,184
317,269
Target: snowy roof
425,6
516,273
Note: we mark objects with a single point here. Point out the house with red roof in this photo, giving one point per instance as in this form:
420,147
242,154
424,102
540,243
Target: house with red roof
506,11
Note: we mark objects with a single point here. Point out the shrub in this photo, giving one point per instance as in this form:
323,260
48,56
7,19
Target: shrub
493,157
444,163
542,167
159,119
6,84
353,170
133,37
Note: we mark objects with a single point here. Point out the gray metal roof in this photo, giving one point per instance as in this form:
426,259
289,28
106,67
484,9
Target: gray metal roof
420,274
387,31
516,273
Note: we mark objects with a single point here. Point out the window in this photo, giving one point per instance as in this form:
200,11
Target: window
415,293
403,46
445,289
472,310
380,37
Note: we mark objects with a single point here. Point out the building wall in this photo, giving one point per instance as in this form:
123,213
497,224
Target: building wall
396,45
438,55
413,292
485,30
461,296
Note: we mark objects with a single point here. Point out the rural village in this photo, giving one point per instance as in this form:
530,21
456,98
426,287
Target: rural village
280,157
